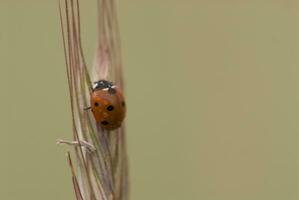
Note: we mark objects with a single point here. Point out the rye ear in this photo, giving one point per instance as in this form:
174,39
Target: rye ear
99,160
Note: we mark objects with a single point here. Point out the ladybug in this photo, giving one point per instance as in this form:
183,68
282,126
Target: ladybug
107,105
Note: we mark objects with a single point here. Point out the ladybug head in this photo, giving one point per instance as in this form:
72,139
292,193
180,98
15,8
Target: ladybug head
102,84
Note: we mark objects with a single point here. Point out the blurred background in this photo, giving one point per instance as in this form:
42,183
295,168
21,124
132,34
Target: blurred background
212,93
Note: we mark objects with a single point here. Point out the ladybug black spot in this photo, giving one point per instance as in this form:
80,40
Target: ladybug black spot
110,108
123,104
104,123
96,104
111,91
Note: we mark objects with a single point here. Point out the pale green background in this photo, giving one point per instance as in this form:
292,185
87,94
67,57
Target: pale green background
212,92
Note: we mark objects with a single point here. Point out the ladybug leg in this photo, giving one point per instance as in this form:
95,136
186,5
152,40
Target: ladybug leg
81,143
87,108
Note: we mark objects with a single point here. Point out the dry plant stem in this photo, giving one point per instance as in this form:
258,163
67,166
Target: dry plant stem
100,170
70,75
73,61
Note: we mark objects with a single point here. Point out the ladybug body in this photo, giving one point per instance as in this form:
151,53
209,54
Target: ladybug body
107,105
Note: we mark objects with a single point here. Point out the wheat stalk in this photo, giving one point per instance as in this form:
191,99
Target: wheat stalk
99,164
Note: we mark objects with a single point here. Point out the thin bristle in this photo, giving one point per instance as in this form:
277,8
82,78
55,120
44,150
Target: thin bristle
74,178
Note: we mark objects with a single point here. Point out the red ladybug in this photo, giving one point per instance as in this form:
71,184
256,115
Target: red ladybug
107,105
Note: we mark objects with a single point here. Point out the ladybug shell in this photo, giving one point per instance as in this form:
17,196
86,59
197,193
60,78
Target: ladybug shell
108,107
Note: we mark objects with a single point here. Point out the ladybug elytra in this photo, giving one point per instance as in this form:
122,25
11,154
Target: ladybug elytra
107,105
